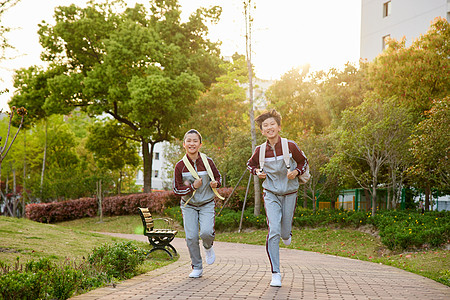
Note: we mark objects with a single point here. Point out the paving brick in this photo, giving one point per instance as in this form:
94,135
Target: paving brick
243,272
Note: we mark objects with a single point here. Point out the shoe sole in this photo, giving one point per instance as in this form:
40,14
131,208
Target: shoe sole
275,285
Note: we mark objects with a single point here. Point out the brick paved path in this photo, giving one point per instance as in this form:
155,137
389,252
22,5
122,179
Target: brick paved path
243,272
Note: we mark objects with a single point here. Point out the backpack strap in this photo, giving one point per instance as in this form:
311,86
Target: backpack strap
262,155
210,173
194,174
285,149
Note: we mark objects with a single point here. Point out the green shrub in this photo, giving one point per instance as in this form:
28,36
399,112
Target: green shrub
27,285
64,281
175,213
118,260
43,279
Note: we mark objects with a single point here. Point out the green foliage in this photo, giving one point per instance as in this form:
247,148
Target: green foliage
416,74
28,285
43,279
144,68
399,230
64,281
118,260
431,147
403,229
111,149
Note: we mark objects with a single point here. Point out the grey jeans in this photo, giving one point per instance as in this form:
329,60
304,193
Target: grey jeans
195,220
279,212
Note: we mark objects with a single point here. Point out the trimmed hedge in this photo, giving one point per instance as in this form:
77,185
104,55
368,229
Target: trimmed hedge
157,202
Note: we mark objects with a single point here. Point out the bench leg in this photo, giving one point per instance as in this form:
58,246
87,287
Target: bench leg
173,248
164,249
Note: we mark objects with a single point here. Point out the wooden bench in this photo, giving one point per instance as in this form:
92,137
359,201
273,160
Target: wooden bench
159,238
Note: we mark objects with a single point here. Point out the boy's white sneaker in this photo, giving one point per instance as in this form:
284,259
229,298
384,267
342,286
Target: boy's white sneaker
276,279
288,241
196,273
210,256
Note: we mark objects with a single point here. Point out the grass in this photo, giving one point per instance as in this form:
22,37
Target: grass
431,263
74,238
22,240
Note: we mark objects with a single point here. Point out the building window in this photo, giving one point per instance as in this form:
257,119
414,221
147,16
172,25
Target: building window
155,173
386,9
385,41
156,155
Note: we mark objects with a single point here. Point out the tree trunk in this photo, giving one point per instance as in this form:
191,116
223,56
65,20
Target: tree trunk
427,197
314,201
24,186
388,203
100,200
148,161
7,179
374,197
14,181
305,198
43,161
119,183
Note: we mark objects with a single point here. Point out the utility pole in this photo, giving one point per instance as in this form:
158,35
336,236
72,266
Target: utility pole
248,51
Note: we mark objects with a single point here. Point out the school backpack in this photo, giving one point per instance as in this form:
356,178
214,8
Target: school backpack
285,149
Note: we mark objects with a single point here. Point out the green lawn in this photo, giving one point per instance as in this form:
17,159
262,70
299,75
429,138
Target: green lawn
22,240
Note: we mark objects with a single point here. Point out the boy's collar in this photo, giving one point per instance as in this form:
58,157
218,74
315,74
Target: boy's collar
278,139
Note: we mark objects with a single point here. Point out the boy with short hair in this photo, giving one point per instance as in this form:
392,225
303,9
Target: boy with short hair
280,185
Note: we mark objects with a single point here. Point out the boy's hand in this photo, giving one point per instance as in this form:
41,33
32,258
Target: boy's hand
213,184
261,174
197,183
292,174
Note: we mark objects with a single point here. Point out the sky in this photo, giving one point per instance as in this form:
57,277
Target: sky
286,34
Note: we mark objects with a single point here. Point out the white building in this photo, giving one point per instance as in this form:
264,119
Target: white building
159,176
382,19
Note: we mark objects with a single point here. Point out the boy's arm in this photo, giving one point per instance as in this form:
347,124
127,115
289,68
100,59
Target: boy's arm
253,162
299,157
179,187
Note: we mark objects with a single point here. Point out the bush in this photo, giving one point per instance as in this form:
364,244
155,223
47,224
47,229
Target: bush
27,285
157,202
119,260
45,280
64,281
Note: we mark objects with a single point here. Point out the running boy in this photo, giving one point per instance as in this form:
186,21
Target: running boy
197,191
280,185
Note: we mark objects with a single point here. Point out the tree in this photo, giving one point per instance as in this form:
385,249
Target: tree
337,90
32,92
431,150
20,112
144,69
5,5
370,134
318,150
415,74
222,109
292,97
113,148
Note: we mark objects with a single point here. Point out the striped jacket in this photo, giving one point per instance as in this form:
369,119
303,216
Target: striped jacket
276,180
